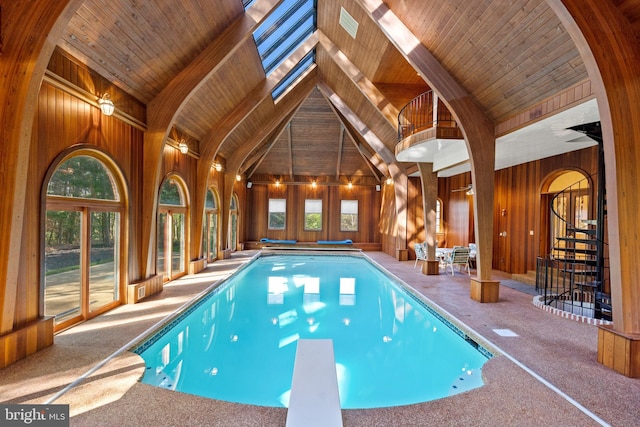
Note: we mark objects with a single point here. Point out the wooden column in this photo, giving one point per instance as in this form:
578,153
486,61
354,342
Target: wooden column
611,52
477,127
29,32
429,180
400,190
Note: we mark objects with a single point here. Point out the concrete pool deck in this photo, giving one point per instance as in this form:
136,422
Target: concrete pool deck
558,350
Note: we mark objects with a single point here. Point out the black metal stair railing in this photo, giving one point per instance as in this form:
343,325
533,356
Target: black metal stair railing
573,277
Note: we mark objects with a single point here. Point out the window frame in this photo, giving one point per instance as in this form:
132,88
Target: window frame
87,207
307,213
270,213
357,214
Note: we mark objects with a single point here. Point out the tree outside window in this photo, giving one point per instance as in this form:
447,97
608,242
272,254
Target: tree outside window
348,215
277,214
313,214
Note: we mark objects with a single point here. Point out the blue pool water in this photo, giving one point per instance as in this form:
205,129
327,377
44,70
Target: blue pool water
238,343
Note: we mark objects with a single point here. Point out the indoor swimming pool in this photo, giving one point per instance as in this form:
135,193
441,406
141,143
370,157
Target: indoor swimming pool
238,342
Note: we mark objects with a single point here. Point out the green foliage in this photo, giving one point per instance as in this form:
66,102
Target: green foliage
82,176
313,221
276,220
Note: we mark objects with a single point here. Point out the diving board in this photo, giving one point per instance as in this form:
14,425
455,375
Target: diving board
314,400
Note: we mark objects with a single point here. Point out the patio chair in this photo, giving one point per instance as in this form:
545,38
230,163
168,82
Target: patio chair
460,257
421,252
473,251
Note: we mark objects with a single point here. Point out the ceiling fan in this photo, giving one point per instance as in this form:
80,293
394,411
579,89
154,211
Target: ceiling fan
468,189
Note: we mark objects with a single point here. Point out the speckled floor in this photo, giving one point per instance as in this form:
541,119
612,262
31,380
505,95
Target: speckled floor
548,348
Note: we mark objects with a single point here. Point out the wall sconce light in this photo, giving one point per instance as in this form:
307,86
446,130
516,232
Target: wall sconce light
218,166
389,181
183,147
238,178
350,185
277,183
106,104
314,184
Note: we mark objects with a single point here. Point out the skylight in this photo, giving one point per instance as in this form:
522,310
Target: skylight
297,71
286,28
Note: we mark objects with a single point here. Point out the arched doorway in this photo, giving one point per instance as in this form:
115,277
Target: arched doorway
172,228
210,229
566,203
84,236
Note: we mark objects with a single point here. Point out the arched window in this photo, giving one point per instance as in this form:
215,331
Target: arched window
172,229
438,216
83,238
210,229
567,195
233,223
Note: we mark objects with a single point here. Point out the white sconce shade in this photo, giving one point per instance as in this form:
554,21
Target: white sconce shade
183,147
218,166
106,105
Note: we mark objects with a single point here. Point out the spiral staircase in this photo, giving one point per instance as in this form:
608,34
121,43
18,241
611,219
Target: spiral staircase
574,277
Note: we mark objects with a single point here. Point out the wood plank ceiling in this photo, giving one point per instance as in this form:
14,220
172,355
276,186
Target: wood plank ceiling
508,54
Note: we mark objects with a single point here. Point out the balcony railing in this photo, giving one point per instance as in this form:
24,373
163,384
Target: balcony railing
418,115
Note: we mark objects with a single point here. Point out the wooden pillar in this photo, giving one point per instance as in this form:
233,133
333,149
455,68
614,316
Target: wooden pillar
476,126
429,180
610,49
400,189
29,32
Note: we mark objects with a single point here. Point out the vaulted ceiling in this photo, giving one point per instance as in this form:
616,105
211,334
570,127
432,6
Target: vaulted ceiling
507,54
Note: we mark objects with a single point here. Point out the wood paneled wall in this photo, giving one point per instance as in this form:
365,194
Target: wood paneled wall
258,205
63,123
62,64
517,192
518,208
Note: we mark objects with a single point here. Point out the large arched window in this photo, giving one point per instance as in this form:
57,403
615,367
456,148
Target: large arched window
172,229
210,229
84,235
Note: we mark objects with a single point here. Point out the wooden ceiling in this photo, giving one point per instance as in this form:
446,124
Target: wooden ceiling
507,54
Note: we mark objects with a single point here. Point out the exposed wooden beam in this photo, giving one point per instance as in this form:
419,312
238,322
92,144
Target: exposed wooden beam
364,85
290,145
371,162
369,136
211,144
287,106
34,26
476,126
609,47
167,105
340,142
249,165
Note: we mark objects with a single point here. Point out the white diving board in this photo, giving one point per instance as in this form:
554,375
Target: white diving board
314,400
